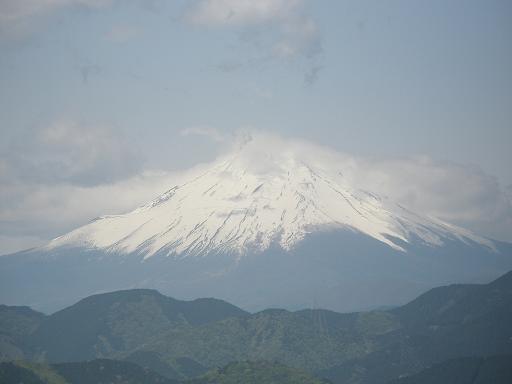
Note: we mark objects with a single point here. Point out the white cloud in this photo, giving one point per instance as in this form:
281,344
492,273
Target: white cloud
460,194
75,203
241,12
67,151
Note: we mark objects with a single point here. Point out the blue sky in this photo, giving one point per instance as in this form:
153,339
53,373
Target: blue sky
159,85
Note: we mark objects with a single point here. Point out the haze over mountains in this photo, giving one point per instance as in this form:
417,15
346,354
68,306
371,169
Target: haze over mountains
263,226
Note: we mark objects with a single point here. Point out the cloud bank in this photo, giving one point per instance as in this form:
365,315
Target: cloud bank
68,151
456,193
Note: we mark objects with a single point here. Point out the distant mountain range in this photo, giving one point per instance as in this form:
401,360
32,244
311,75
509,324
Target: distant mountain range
259,228
443,334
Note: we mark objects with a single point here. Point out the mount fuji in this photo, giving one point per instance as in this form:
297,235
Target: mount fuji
259,227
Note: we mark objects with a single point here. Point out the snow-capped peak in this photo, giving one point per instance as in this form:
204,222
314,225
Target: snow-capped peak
261,193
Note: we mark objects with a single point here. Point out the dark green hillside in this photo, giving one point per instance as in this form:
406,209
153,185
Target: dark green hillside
447,305
465,370
16,323
454,321
444,323
256,373
309,339
158,332
107,324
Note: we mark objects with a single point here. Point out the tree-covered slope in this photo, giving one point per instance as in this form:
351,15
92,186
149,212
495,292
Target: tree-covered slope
108,324
310,339
444,323
16,324
460,320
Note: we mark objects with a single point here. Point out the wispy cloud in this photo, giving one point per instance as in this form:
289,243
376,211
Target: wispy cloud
293,34
241,12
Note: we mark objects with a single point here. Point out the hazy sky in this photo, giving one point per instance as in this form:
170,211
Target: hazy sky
103,97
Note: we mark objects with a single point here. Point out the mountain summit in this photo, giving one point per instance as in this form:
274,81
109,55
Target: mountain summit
256,196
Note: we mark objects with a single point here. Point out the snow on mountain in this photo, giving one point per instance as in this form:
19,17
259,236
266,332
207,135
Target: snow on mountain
261,193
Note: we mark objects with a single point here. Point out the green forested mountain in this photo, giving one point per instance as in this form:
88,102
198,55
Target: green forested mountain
309,339
110,324
444,323
181,340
